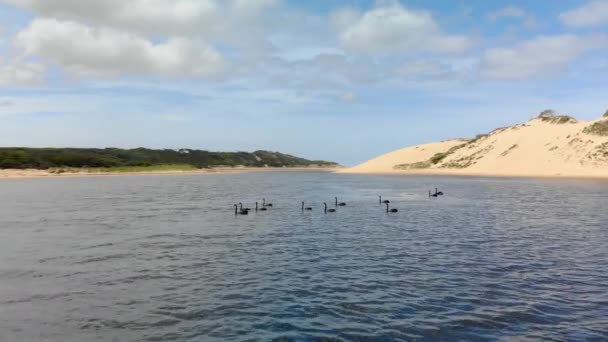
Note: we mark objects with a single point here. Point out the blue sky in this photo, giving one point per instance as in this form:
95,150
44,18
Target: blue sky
337,80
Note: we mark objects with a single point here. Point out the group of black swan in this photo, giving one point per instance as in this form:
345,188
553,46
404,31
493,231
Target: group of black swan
239,210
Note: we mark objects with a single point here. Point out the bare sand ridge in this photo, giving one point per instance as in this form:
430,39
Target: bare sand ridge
546,146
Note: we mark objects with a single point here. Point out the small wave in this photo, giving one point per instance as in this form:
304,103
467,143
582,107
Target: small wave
105,258
45,297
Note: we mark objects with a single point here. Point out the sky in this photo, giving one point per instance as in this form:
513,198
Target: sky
337,80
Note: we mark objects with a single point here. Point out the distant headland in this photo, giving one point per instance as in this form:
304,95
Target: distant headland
39,162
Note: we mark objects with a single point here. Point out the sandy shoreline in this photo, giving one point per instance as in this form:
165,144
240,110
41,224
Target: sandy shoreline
34,173
460,173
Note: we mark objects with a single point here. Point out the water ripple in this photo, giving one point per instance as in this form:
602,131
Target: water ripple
165,259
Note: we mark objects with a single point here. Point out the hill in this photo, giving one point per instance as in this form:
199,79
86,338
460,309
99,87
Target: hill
548,145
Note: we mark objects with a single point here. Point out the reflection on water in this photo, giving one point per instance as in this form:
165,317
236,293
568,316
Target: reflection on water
164,258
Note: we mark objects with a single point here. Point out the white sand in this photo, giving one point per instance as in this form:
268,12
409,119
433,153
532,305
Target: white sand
535,148
386,162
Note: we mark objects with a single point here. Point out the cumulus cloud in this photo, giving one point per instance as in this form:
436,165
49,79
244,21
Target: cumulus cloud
19,73
394,28
542,56
265,42
104,51
208,18
594,13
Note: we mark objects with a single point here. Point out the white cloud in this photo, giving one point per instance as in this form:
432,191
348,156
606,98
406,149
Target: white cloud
542,56
434,72
266,43
507,12
593,13
206,18
18,73
151,37
529,21
394,28
103,51
148,15
421,68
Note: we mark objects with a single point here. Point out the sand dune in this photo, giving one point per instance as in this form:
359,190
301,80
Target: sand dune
414,154
546,146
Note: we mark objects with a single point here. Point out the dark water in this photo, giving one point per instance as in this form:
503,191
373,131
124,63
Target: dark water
164,258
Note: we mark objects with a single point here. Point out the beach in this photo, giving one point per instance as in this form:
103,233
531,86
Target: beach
35,173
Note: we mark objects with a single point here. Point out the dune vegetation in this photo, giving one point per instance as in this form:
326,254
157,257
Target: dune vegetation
598,128
143,159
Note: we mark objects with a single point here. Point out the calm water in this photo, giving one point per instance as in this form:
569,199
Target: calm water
146,258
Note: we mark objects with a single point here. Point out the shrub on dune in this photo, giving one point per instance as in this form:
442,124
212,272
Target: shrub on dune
597,128
551,116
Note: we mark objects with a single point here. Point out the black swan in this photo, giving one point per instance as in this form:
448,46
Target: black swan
240,212
328,210
439,193
380,201
264,204
261,209
391,210
432,195
341,204
307,208
246,209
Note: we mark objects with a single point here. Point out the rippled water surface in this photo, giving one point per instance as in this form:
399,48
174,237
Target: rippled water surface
160,258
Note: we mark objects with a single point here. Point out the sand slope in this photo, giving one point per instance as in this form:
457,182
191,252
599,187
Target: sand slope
535,148
386,162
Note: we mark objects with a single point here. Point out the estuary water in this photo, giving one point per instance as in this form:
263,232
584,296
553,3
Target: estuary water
164,258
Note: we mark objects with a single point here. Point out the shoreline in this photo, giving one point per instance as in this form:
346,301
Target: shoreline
459,173
36,173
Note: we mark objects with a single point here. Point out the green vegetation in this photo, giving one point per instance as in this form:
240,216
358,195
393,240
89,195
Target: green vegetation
598,128
153,168
143,159
461,163
478,137
413,166
469,160
603,149
605,114
438,157
547,113
551,116
600,153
